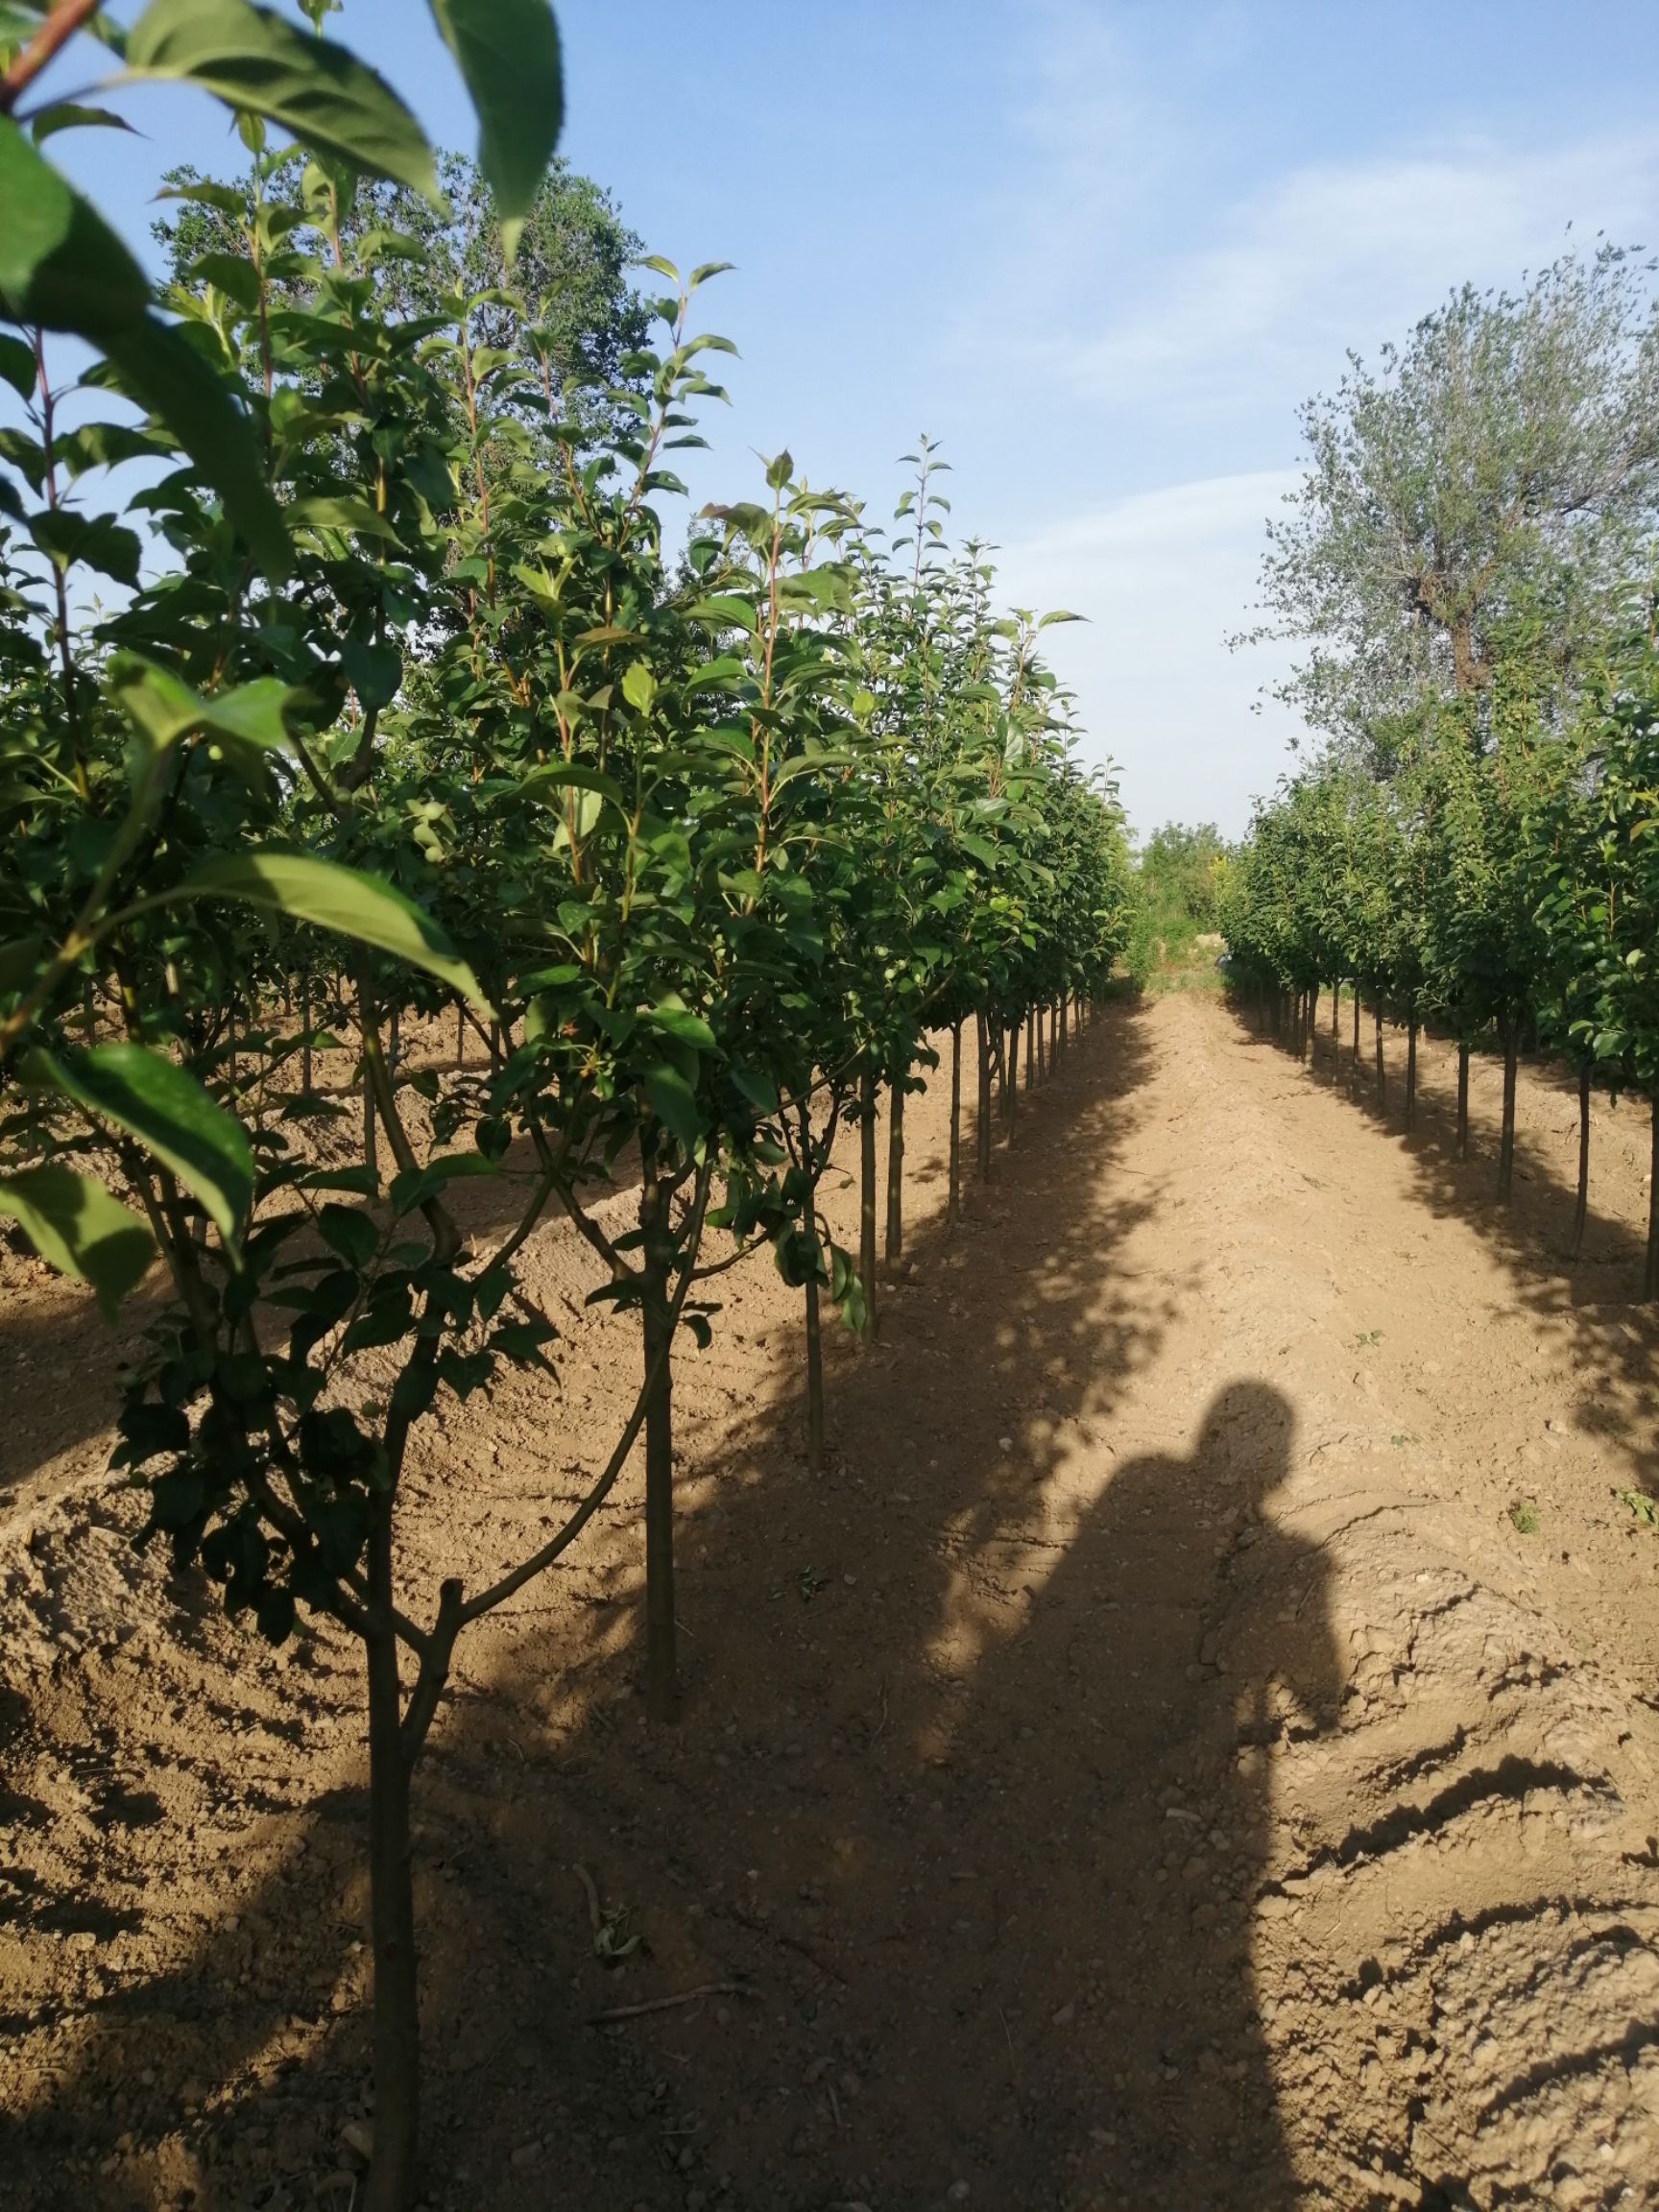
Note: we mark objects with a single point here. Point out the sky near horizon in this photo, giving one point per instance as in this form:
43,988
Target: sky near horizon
1100,249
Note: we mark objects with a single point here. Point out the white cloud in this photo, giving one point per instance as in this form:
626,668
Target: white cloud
1162,578
1331,257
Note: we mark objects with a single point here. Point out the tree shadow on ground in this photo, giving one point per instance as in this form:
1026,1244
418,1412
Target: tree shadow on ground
1610,1334
962,1815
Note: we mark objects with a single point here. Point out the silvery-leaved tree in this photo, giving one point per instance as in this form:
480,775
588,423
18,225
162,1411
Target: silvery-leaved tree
1500,465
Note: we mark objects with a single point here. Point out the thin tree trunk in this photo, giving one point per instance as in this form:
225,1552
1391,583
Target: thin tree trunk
1335,1013
495,1048
867,1196
1314,1023
305,1028
460,1038
1462,1098
371,1131
662,1671
1065,1035
953,1187
895,1248
1013,1100
1581,1208
1411,1069
1507,1141
814,1330
1030,1028
982,1118
1355,1023
391,2185
1382,1068
814,1381
1651,1271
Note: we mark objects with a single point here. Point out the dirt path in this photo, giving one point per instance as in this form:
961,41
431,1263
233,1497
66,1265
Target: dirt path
1152,1768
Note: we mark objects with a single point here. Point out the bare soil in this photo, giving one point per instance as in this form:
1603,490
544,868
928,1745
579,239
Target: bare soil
1197,1745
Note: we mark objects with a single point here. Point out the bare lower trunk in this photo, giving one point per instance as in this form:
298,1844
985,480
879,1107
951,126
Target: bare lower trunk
1314,1023
1065,1035
662,1670
371,1130
1013,1100
391,2184
1030,1049
1411,1071
895,1248
1335,1013
1581,1209
1355,1024
953,1186
1651,1271
982,1118
459,1037
1382,1069
867,1198
814,1381
1462,1098
1506,1139
306,1032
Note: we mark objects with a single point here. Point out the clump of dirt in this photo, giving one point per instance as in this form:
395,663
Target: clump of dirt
1152,1765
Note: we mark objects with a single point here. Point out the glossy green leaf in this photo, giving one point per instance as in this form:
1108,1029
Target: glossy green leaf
71,540
17,365
414,1187
508,53
253,59
78,1228
166,1109
330,896
167,376
674,1103
61,264
165,708
70,116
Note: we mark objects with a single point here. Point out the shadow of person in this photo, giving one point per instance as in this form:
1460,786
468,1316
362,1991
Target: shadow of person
1090,1837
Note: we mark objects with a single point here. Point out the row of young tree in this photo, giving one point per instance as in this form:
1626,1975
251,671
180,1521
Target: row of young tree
405,707
1503,887
1467,565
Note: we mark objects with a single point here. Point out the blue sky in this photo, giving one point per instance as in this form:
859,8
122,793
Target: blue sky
1101,249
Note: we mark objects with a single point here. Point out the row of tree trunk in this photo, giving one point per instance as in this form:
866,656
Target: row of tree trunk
1293,1016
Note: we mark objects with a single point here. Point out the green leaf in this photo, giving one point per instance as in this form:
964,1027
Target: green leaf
253,60
349,1232
568,774
61,264
674,1103
330,896
320,512
17,366
508,53
166,1109
69,115
167,375
70,538
416,1184
373,671
77,1227
164,708
676,1020
233,274
63,267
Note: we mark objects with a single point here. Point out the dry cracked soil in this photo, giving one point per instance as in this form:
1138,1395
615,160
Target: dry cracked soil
1195,1746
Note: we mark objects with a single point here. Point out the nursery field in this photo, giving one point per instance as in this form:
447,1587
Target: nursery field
1192,1744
